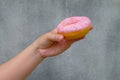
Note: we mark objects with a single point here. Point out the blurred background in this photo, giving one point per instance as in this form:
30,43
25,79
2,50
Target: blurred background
97,57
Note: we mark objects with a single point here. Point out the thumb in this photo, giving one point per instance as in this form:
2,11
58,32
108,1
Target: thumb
54,37
49,38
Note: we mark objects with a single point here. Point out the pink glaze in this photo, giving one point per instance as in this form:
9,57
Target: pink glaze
73,24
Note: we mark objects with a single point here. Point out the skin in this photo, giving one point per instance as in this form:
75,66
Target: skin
48,45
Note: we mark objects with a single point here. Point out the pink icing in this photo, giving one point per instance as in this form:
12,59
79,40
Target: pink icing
73,24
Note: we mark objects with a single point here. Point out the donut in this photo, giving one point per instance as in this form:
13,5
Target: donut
74,27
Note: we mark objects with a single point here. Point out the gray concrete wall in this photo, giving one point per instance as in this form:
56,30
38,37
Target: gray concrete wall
97,57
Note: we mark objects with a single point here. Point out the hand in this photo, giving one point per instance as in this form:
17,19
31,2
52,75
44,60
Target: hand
52,44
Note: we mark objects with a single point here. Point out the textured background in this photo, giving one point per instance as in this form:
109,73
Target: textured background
97,57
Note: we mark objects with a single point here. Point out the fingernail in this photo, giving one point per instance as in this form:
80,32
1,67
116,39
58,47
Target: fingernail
60,37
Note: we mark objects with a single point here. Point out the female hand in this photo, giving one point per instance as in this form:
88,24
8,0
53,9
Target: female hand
52,44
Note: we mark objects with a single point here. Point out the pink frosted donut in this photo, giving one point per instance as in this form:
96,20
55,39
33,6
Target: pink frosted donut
74,27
